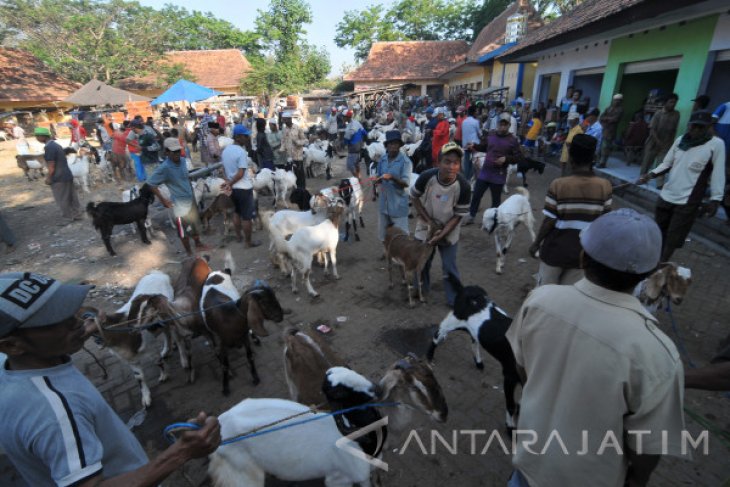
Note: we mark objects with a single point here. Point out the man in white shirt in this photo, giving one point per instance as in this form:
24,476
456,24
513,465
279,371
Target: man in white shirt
695,161
469,138
238,179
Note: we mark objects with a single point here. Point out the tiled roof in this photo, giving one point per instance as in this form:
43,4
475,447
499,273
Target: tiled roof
24,78
409,60
215,68
492,35
588,12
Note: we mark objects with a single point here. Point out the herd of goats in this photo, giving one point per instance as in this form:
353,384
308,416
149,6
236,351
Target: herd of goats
327,400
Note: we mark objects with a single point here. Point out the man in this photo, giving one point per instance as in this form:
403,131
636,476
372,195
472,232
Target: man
695,160
103,134
427,141
571,204
238,178
212,152
440,134
59,177
460,117
502,149
721,118
534,128
57,429
596,368
394,175
293,144
274,139
609,120
354,135
594,127
78,134
565,105
520,100
662,131
134,149
700,103
332,126
441,198
17,132
173,173
469,139
147,141
220,119
574,129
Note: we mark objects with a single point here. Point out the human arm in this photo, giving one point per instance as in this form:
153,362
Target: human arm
461,209
50,163
715,377
547,226
190,445
662,168
717,178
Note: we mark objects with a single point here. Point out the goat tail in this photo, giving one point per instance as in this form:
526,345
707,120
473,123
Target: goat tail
523,191
229,265
455,283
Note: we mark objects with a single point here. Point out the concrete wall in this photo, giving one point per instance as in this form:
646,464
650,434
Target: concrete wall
691,41
721,37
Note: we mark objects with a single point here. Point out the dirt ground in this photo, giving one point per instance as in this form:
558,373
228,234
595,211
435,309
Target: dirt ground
372,327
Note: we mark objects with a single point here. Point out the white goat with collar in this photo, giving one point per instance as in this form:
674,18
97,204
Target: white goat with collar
503,220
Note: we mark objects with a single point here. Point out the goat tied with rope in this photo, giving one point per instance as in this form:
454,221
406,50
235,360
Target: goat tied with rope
503,221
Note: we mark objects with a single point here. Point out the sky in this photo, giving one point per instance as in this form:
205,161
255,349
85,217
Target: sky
321,32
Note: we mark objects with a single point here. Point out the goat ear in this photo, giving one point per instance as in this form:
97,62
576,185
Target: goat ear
255,319
655,283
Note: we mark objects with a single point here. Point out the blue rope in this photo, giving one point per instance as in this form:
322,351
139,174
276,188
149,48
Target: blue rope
680,340
169,430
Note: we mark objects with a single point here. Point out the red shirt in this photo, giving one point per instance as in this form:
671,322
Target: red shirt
119,142
133,146
459,121
221,121
439,139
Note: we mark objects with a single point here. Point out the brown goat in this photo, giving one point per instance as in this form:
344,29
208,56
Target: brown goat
408,253
221,204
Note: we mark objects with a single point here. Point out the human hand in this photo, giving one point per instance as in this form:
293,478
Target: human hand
386,176
534,249
166,203
202,442
436,238
711,208
48,179
500,160
643,179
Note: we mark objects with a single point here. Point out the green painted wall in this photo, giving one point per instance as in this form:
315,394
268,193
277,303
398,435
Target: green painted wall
691,41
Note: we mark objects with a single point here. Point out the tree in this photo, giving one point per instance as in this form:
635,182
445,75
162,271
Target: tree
290,64
489,11
359,29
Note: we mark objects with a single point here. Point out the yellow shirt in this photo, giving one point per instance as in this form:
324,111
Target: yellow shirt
534,130
571,133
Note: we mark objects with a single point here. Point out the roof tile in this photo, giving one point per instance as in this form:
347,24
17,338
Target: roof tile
24,77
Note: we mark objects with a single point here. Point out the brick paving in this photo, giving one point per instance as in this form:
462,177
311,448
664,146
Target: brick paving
379,328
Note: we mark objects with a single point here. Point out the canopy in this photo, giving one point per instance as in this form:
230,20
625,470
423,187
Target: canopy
185,90
97,93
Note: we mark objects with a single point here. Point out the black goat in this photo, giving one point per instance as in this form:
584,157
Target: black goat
301,197
487,325
107,214
529,164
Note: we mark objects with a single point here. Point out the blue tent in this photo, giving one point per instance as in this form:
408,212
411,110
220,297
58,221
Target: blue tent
185,90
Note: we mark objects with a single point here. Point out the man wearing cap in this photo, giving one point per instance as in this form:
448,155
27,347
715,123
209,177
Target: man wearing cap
354,135
56,428
460,117
173,173
17,132
610,118
574,129
695,161
662,132
470,137
292,144
210,151
502,149
332,125
394,175
440,134
597,371
441,198
238,178
59,177
571,204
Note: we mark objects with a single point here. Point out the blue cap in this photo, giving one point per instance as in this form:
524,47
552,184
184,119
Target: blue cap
240,130
429,110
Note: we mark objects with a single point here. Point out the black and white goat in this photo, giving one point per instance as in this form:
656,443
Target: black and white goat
487,325
523,167
351,191
107,214
310,451
503,220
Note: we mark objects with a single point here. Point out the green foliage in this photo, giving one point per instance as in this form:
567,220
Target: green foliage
405,20
170,73
483,15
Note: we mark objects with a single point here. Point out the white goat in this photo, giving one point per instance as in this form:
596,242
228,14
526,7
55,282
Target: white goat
306,242
376,151
284,184
410,149
310,451
79,166
318,158
514,210
264,180
351,192
207,189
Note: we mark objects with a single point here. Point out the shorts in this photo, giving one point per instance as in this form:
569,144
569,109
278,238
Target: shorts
353,161
189,223
243,203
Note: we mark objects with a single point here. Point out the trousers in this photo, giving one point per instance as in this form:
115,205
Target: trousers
480,187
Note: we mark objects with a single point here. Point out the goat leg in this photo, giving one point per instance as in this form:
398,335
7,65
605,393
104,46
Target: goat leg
163,372
310,289
106,233
139,376
354,227
477,354
347,230
390,270
362,222
333,260
142,231
249,357
254,338
223,358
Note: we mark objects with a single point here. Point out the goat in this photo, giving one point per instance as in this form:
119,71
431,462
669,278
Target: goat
229,316
310,451
670,281
375,151
306,360
118,331
408,253
221,204
207,189
78,164
306,242
487,325
522,167
264,181
284,184
302,198
514,210
351,192
107,214
30,163
318,158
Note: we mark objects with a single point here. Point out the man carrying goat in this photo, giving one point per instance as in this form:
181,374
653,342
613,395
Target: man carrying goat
57,429
173,173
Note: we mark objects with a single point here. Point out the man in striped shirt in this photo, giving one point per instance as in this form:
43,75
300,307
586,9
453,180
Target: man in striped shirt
55,427
571,204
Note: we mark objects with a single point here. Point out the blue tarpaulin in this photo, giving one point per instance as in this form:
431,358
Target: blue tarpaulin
495,53
185,90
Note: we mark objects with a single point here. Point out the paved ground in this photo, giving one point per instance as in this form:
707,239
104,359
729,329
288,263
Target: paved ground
378,328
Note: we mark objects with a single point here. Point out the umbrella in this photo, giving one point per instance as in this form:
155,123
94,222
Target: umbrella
97,93
185,90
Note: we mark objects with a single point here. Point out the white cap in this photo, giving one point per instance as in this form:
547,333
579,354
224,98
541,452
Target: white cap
618,96
623,240
573,115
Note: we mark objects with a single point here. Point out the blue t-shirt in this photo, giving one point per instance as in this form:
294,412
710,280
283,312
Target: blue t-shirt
393,199
57,429
175,177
